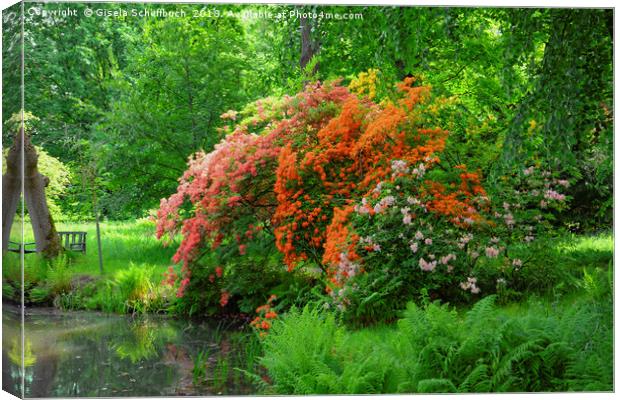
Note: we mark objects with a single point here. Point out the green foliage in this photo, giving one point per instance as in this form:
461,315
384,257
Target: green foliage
298,353
59,275
569,100
436,350
133,268
129,291
51,167
202,70
246,282
8,291
199,370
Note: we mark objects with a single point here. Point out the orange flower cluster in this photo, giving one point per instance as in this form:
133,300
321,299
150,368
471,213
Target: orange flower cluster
348,157
262,322
457,204
413,95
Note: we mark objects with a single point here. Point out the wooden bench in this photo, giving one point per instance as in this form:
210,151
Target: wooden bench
71,241
17,247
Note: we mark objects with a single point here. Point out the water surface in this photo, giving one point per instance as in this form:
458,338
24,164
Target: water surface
86,354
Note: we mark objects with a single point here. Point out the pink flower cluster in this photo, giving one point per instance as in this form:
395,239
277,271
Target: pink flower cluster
406,215
470,285
399,167
491,252
384,203
446,259
553,195
427,266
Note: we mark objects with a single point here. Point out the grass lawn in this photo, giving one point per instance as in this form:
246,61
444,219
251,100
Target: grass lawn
124,244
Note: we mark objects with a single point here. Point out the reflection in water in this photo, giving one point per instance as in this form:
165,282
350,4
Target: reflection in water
11,354
89,354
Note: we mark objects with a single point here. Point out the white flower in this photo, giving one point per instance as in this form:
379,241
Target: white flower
399,167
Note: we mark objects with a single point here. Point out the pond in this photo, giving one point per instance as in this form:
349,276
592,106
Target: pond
88,354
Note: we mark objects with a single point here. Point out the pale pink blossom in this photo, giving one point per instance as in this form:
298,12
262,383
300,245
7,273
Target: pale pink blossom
470,285
427,266
446,259
464,240
491,252
553,195
384,203
419,171
399,167
362,208
563,182
413,200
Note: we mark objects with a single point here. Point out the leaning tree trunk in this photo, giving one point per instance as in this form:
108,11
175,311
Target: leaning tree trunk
45,235
11,190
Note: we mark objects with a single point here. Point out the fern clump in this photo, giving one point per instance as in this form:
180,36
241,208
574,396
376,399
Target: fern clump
434,349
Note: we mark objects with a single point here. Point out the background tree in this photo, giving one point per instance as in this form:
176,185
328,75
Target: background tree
183,74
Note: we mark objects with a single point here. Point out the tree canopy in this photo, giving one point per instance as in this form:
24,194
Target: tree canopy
135,97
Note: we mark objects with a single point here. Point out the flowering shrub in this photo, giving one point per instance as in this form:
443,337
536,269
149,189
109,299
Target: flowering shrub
265,316
358,189
435,230
225,201
316,182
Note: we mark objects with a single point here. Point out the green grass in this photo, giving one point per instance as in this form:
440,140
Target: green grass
587,251
133,265
123,244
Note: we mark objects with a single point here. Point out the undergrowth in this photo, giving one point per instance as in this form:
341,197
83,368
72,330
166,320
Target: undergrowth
547,346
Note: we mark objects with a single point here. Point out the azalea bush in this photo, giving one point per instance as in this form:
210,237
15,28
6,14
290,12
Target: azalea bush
433,230
226,201
348,190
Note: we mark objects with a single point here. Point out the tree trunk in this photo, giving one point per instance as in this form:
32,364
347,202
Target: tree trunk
45,235
11,189
308,47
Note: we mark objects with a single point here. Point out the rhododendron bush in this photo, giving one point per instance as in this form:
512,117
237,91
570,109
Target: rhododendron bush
356,189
